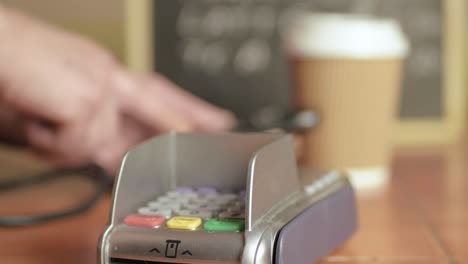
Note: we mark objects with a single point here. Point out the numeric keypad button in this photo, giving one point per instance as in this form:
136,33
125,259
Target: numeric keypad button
167,213
195,213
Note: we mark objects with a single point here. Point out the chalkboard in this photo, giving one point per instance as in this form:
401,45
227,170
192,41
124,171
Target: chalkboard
229,52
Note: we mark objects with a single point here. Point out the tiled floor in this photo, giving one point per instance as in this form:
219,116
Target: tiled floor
419,215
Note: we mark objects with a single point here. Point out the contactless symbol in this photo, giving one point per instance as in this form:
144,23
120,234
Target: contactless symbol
171,248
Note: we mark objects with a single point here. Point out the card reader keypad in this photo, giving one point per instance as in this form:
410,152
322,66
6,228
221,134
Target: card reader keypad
193,209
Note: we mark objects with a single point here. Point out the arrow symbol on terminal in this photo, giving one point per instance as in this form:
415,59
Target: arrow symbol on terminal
186,252
154,250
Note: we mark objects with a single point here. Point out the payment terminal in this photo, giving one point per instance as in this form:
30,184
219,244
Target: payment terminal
224,199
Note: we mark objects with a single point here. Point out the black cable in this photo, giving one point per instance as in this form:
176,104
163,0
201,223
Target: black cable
92,172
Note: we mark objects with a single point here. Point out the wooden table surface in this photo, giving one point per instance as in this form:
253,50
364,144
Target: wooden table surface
420,215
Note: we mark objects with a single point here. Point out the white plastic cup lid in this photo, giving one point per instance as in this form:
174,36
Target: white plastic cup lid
344,36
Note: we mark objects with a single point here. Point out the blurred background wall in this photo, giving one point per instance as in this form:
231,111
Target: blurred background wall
105,22
101,20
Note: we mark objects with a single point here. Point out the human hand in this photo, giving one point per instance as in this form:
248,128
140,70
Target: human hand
74,103
168,103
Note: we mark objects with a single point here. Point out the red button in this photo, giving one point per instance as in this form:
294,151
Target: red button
144,220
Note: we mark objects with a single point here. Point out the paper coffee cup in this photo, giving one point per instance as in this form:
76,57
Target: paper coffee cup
348,68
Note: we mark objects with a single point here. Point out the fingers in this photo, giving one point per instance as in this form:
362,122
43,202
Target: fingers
147,107
204,116
163,106
156,113
59,92
73,144
52,147
111,155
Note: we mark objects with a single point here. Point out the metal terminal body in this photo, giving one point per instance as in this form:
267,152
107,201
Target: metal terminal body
291,216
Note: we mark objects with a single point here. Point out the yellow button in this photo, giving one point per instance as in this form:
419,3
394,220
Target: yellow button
184,222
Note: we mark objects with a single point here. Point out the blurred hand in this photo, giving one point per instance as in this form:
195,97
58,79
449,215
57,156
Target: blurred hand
73,103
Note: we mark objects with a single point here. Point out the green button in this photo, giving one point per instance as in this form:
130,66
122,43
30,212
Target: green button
231,225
